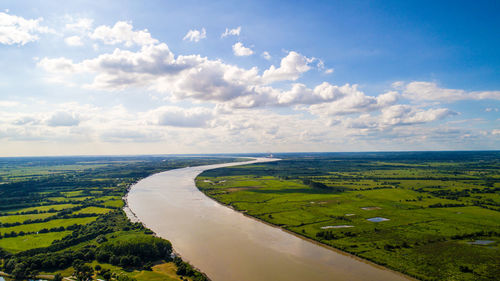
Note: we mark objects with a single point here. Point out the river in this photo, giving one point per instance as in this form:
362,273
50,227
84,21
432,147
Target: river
229,246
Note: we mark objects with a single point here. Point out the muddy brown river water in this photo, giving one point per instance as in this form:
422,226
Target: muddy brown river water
229,246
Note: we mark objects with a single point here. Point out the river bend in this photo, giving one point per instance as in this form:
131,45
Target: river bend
229,246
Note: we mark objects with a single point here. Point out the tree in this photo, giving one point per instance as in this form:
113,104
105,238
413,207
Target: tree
83,272
106,274
19,271
57,277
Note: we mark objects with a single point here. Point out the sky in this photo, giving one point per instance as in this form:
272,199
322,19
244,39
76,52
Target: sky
176,77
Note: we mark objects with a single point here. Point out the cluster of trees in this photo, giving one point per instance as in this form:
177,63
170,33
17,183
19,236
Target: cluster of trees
330,235
135,252
114,179
185,269
51,210
446,205
43,230
327,235
315,184
138,252
477,234
58,216
392,247
22,267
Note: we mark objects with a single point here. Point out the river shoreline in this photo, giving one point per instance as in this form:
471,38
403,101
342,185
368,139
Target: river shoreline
289,258
329,247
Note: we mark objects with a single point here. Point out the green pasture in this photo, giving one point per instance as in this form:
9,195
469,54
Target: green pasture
93,210
435,209
45,208
26,242
23,218
34,227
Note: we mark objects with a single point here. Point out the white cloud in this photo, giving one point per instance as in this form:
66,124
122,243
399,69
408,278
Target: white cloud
243,100
122,32
73,41
194,77
58,65
62,118
291,68
491,109
25,120
329,71
353,101
422,91
80,25
234,32
18,30
395,116
495,132
266,55
406,115
241,51
194,35
194,117
8,103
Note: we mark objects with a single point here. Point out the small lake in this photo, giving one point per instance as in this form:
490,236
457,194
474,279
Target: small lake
228,245
377,219
482,242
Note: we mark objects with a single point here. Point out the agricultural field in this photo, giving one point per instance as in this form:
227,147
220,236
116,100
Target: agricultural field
431,215
63,216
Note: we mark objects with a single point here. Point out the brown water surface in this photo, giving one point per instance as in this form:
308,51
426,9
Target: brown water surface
229,246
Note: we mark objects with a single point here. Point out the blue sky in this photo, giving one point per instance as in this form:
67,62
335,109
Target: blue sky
132,77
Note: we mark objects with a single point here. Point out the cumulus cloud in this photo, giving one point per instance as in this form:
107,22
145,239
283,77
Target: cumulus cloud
243,99
195,35
18,30
58,65
430,91
396,115
73,41
122,32
406,115
62,118
353,101
194,77
291,68
233,32
241,51
25,120
266,55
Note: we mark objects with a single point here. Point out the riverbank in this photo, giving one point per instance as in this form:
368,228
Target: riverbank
316,242
390,222
228,245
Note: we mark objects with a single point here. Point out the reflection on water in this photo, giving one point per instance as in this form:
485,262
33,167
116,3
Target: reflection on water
227,245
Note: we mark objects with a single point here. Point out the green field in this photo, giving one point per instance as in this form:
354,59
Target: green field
23,243
45,208
22,218
58,214
35,227
433,207
93,210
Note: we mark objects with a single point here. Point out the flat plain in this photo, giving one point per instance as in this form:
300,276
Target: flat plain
63,215
431,215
